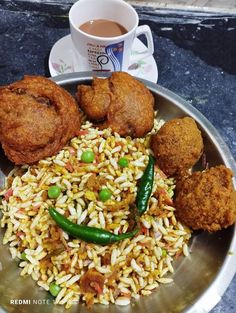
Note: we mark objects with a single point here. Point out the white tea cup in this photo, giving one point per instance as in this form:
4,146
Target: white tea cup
99,53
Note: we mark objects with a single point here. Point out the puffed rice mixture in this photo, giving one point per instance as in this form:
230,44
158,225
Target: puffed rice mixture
137,265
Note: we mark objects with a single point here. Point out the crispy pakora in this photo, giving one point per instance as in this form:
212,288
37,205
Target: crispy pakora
207,200
120,102
37,118
177,146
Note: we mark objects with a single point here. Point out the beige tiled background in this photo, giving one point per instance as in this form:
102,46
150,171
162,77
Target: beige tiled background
208,5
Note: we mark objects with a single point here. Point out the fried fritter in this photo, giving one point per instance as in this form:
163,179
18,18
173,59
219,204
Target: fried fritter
37,118
120,102
95,100
177,146
207,200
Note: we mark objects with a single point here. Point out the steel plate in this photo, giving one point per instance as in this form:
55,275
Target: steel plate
199,280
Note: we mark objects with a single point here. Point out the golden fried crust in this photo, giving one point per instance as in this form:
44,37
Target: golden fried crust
120,102
96,100
177,146
207,200
37,118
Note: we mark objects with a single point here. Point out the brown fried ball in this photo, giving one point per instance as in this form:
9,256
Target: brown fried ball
37,118
120,102
207,200
177,146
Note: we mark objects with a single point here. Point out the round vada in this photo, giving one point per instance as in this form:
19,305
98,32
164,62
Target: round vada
206,200
177,146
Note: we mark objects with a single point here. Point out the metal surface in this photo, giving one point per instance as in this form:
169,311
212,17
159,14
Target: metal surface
199,280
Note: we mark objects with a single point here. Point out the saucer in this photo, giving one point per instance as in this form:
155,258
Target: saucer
62,60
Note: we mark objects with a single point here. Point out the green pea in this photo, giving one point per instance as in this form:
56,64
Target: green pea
54,289
123,162
164,253
87,156
23,256
104,194
54,192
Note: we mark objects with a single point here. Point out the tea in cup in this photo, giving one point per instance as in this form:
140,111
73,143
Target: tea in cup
103,33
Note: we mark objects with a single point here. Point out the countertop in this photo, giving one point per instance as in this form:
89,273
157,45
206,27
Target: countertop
194,51
228,6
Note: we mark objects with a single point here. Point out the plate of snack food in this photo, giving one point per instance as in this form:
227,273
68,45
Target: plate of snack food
117,193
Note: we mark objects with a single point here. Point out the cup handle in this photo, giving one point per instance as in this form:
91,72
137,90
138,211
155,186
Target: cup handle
146,31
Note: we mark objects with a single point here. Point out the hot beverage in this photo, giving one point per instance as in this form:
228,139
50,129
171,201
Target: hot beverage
103,28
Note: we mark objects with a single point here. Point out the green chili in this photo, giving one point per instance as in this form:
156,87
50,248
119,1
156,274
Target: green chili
87,233
145,187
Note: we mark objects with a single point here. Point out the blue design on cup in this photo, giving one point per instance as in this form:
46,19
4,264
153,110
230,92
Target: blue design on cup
115,54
